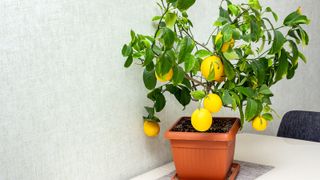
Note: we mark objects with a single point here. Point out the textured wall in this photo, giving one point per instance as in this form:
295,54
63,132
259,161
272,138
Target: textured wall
68,108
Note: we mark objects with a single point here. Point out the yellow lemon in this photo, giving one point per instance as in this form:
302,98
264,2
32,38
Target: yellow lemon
165,77
201,119
259,123
225,47
151,128
212,102
215,63
221,78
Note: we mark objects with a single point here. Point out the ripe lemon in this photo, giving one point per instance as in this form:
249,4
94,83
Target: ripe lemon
221,78
259,123
225,47
213,103
151,128
165,77
201,119
216,63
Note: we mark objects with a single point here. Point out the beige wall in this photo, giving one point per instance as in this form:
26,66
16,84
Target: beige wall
68,108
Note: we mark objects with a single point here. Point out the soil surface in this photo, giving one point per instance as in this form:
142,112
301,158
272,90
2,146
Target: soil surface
218,126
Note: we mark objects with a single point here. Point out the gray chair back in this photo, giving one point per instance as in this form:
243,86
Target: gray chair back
303,125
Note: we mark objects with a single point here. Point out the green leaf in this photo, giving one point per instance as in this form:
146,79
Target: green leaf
278,42
226,98
251,109
150,110
235,100
133,35
255,29
283,66
228,69
178,75
186,46
183,5
275,16
186,83
128,61
262,44
233,9
236,34
267,116
227,32
150,66
171,1
231,55
245,91
189,62
126,50
224,13
264,89
295,18
291,71
149,79
156,18
259,68
137,55
303,36
168,37
254,4
198,94
148,57
183,95
220,21
151,119
203,53
158,98
292,33
170,20
160,102
295,53
302,57
164,64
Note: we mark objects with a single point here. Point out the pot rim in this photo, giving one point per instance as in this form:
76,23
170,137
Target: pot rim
228,136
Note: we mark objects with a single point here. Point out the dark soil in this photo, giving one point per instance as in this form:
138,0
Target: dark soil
218,126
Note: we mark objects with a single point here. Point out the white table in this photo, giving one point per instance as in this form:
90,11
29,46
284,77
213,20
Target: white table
292,159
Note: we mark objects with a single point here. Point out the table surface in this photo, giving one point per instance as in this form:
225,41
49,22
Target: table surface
292,159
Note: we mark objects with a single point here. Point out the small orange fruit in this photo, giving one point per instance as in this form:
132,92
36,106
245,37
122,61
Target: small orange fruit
165,77
259,123
215,63
212,102
151,128
201,119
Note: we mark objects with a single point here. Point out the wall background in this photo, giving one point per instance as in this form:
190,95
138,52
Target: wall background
68,108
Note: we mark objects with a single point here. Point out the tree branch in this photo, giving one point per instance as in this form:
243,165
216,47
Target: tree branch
194,80
158,28
196,41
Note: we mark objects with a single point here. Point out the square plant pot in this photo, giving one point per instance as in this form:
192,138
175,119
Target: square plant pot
203,155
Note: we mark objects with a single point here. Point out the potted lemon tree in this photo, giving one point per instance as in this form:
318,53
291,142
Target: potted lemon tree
243,57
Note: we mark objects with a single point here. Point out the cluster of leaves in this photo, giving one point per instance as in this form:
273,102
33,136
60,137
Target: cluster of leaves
262,55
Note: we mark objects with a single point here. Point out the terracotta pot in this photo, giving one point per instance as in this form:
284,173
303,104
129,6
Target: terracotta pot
203,155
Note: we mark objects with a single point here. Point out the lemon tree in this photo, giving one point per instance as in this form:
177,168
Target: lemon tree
245,54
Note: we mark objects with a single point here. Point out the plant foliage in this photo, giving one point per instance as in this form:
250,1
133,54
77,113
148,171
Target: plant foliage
262,55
